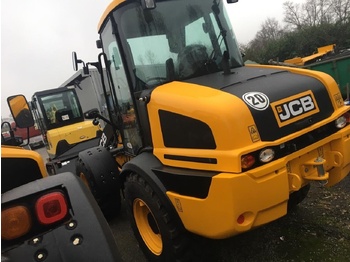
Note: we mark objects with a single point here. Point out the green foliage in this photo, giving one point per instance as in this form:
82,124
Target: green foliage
302,40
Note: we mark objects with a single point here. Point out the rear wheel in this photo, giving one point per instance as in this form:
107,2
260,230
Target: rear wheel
99,172
159,234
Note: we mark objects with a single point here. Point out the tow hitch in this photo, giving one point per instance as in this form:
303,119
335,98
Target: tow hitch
314,170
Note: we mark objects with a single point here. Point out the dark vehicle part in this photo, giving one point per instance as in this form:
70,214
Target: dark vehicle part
58,220
298,196
23,118
99,171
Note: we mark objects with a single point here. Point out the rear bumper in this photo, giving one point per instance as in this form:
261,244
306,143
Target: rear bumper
261,195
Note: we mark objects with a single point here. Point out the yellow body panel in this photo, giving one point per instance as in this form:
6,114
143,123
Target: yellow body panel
261,194
19,152
203,100
73,134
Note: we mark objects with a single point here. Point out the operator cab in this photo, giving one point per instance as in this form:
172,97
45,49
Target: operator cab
147,46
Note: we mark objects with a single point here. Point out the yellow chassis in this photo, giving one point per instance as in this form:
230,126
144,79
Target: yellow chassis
239,202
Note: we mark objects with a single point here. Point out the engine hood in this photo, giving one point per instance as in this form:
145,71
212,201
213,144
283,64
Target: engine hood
281,102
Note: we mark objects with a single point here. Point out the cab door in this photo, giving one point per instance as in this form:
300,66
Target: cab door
121,98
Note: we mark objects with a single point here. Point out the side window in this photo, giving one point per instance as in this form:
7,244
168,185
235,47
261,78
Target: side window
117,70
124,103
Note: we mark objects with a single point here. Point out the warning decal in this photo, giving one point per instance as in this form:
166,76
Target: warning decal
254,134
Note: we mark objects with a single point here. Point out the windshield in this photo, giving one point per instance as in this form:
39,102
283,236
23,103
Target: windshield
177,40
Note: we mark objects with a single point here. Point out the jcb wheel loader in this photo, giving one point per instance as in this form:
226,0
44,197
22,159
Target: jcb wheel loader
206,144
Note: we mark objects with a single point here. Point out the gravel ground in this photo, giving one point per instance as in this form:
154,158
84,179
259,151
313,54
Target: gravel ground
318,229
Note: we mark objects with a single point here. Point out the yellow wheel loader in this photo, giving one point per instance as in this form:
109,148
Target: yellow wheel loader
202,143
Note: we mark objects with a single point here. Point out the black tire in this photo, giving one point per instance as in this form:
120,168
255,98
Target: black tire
160,237
298,196
99,172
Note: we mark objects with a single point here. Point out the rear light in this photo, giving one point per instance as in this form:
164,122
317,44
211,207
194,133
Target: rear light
266,155
247,161
347,116
33,214
15,222
51,208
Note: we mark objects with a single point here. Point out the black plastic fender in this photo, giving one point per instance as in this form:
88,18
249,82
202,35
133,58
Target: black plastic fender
99,170
143,164
96,241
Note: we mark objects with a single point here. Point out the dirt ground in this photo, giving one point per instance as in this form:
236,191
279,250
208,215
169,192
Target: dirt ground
318,229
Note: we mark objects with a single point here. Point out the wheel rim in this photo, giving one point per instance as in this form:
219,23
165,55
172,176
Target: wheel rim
84,179
147,227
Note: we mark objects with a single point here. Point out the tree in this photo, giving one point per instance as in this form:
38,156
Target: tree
310,25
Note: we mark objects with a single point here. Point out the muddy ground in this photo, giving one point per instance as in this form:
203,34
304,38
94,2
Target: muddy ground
318,229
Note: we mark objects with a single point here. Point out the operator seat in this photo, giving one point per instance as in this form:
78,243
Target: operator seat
192,61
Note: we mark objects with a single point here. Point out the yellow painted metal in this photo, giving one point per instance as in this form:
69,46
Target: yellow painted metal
261,194
321,51
143,215
73,134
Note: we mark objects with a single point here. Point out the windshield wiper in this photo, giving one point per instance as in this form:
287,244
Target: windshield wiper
223,33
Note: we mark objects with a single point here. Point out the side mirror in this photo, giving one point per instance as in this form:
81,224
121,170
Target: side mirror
92,113
20,111
77,61
232,1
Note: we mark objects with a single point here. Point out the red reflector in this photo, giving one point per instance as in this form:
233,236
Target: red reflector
247,161
240,219
51,208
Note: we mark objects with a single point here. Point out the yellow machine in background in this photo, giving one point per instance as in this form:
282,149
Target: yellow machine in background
321,52
61,120
46,217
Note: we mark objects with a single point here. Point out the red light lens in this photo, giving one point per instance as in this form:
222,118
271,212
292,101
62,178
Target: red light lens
240,219
247,161
51,208
347,116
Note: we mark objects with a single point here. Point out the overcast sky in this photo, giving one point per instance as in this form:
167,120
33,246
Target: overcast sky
38,37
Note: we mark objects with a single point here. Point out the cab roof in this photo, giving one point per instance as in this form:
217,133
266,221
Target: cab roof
109,8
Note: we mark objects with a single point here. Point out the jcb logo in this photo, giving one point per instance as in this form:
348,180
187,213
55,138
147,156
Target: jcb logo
294,108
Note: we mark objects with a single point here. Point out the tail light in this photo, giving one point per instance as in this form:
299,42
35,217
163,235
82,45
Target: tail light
347,116
247,161
33,215
51,208
15,222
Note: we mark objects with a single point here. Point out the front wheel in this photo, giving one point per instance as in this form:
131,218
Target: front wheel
160,236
